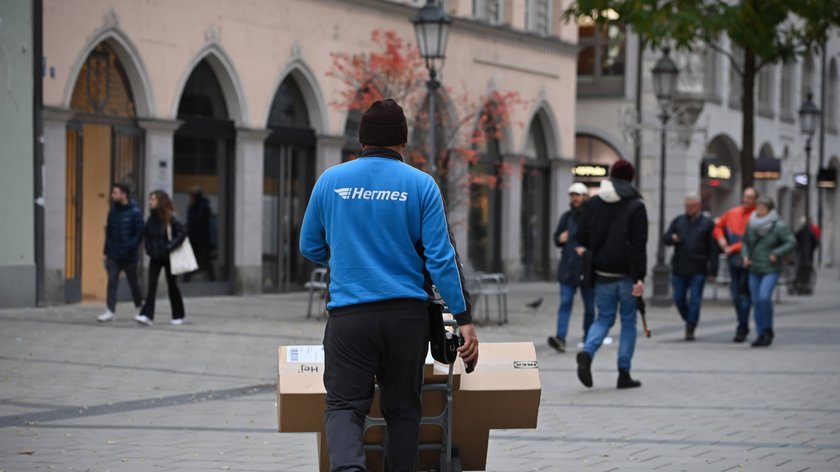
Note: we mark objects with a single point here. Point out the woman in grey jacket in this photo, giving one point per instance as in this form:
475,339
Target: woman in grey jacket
767,241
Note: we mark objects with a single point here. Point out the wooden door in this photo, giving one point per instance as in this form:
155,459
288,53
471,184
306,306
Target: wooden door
96,187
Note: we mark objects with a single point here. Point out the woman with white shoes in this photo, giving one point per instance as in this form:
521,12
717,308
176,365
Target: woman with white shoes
163,234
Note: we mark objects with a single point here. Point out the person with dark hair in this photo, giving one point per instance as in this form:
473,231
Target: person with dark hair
123,235
767,241
199,216
695,258
379,225
163,234
569,268
729,232
614,228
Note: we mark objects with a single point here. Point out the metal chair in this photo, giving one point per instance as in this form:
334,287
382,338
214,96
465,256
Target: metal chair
489,285
317,283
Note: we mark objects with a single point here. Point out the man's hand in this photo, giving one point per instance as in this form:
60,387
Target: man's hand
564,237
676,238
773,258
638,288
722,243
469,351
728,250
746,261
580,250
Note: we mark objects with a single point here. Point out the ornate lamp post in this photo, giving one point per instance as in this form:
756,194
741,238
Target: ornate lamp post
809,117
664,86
431,25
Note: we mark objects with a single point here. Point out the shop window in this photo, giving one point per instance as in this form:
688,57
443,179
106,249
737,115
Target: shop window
602,57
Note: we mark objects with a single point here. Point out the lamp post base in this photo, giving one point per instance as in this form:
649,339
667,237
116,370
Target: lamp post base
661,283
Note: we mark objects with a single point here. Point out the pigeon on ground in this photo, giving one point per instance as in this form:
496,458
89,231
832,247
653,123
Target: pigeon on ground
535,304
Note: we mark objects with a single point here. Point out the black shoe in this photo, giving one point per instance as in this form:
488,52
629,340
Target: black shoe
584,362
763,341
625,381
771,334
689,332
740,336
558,343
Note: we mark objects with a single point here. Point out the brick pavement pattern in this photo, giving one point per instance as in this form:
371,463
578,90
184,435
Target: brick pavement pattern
85,396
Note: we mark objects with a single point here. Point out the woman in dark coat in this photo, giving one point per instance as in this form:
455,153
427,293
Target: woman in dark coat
163,234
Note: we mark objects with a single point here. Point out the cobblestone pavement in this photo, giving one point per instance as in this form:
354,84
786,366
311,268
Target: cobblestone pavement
77,395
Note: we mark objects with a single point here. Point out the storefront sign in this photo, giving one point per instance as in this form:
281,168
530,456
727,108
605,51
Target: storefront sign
590,171
714,169
827,178
800,180
767,168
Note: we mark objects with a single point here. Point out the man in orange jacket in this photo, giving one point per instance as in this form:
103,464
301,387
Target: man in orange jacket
729,231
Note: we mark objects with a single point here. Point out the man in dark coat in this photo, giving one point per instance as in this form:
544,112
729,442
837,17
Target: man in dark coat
123,235
695,258
199,216
568,270
614,227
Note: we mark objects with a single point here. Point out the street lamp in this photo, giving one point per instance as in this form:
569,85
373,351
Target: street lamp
431,25
809,116
665,74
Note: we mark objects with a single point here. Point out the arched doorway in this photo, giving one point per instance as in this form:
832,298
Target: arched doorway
203,164
485,207
763,186
719,192
289,168
104,147
536,191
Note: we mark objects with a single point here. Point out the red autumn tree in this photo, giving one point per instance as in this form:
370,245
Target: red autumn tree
465,125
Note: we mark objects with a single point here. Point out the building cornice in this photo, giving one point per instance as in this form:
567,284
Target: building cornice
547,44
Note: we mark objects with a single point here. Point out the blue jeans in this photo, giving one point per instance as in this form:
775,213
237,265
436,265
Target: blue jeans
564,312
688,296
611,298
742,302
761,288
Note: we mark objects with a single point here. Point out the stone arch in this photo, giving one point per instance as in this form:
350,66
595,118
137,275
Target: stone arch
618,145
546,117
307,81
132,63
766,150
226,74
718,199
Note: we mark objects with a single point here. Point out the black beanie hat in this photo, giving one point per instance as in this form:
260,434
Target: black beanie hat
383,124
623,170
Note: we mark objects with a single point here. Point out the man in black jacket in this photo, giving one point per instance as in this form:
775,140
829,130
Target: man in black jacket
695,257
614,227
568,269
123,235
199,230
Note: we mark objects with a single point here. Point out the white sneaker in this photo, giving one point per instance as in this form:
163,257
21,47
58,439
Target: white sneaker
143,320
105,317
177,321
608,340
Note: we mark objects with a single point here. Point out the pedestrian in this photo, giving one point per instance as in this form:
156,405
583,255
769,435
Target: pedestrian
569,269
695,258
123,235
766,243
380,226
729,231
614,228
163,234
199,216
807,241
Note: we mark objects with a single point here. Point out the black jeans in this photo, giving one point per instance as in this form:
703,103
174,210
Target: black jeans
175,299
389,345
204,257
114,268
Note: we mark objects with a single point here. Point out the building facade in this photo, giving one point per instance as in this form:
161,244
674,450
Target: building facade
235,99
703,138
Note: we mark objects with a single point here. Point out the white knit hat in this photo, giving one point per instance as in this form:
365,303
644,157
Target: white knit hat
578,188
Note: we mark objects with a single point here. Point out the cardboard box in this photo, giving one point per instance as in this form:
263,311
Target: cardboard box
503,392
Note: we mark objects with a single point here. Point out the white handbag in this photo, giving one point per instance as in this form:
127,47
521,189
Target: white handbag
182,258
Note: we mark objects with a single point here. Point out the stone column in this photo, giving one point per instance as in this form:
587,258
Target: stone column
159,161
328,152
511,219
55,196
248,206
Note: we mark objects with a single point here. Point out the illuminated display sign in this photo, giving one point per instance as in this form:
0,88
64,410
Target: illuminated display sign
590,171
716,170
801,180
767,168
827,178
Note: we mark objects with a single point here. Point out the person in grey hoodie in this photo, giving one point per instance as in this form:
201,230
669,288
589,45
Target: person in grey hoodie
614,227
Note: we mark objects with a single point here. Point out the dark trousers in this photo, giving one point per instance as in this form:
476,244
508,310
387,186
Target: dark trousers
738,286
387,346
688,296
175,300
204,257
114,268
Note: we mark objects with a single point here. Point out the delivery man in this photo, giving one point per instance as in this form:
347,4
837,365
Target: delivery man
380,227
